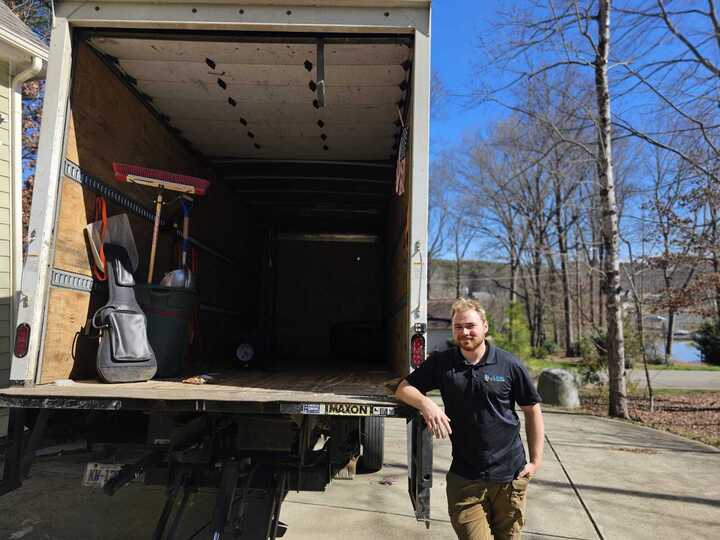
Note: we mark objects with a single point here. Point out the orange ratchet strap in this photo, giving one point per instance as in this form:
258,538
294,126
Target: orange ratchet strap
101,214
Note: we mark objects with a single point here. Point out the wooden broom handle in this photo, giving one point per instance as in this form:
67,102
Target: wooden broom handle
156,232
186,234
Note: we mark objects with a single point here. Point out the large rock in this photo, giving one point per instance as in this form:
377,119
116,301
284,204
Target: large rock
557,387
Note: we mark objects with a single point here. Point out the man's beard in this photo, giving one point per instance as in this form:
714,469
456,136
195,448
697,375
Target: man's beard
470,345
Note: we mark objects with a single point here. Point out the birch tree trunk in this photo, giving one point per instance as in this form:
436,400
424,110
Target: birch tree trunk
616,343
593,276
564,271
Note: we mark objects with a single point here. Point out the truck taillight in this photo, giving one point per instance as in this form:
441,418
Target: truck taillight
417,350
22,339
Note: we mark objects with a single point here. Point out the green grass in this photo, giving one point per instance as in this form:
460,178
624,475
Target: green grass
536,365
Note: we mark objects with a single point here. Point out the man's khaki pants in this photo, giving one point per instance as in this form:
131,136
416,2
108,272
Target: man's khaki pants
485,511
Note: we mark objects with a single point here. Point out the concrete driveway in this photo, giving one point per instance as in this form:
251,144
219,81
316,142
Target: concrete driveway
601,479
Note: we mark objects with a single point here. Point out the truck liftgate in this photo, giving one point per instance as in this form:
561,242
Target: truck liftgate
253,453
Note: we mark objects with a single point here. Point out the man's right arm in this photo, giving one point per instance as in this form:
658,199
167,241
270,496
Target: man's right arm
435,418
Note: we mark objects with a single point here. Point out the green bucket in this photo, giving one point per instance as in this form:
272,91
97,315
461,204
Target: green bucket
169,313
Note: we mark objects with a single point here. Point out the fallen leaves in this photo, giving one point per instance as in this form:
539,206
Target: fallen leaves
695,415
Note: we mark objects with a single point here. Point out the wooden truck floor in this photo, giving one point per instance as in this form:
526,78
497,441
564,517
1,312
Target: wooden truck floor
359,393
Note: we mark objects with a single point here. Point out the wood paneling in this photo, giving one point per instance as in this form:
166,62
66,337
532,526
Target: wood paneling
109,124
68,312
398,297
70,245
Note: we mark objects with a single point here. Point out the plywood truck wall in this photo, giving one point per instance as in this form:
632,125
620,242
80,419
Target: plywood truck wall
108,123
397,299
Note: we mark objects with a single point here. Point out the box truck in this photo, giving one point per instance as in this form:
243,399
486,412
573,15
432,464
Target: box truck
310,119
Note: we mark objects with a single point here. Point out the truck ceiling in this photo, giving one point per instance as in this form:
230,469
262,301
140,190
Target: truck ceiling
261,98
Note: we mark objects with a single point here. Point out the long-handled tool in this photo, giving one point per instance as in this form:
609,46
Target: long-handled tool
184,276
186,203
161,180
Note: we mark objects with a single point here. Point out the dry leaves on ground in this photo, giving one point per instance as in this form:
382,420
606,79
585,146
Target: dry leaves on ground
695,414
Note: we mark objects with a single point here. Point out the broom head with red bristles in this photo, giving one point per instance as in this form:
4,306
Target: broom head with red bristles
160,179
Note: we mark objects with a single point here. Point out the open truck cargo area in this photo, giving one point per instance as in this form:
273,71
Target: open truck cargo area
299,245
310,120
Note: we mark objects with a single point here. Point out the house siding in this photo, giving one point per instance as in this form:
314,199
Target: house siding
5,234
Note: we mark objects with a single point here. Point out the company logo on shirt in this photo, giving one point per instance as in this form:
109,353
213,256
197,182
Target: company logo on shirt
495,378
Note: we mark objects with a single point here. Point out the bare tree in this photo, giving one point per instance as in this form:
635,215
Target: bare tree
616,339
441,180
632,270
672,56
438,94
489,184
676,234
462,234
37,14
576,34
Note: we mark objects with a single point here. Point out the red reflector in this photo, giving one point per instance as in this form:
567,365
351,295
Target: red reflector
417,350
22,339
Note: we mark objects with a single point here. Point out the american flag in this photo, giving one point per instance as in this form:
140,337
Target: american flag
400,168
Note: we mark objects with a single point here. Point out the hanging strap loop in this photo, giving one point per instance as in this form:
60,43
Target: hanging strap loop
101,215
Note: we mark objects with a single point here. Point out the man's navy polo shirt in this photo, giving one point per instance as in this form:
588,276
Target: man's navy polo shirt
480,402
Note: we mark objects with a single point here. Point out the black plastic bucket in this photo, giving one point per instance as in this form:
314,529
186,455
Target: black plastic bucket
169,314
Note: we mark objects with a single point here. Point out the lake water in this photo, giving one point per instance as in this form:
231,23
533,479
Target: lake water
685,351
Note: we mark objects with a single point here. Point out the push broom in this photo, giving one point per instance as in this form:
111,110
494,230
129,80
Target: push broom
162,180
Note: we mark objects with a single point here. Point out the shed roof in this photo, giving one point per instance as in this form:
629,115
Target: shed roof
16,33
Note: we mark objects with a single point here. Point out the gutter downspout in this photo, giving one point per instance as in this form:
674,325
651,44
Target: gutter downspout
34,69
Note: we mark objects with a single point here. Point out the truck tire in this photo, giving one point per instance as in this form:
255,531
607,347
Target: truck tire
372,436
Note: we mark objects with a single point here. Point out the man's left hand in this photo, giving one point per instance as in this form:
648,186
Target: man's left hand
530,469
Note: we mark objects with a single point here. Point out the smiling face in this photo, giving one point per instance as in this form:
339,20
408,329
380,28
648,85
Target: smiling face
469,329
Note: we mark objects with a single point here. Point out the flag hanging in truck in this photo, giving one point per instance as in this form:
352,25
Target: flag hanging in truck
400,168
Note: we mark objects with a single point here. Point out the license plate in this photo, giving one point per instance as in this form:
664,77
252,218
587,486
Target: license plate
97,474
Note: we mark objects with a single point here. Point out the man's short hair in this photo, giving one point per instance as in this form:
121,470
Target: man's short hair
467,304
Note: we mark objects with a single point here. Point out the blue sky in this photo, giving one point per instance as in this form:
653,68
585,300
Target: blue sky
456,24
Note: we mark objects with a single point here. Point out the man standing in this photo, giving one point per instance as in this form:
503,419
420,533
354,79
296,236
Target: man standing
480,385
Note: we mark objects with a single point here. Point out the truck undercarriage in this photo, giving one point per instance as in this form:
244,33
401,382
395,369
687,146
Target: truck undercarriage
251,460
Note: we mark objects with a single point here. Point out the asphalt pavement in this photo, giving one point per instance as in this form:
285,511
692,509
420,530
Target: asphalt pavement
667,378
